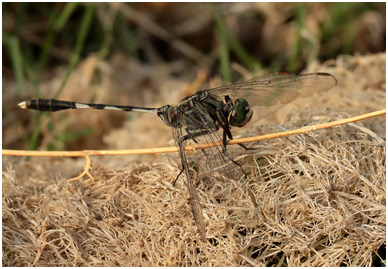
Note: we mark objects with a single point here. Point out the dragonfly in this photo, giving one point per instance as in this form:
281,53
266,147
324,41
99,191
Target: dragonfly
208,116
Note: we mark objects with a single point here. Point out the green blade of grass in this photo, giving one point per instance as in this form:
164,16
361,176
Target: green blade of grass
245,58
17,63
82,33
59,19
224,49
300,11
84,30
64,16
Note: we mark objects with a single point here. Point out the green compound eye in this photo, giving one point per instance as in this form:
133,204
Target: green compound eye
240,114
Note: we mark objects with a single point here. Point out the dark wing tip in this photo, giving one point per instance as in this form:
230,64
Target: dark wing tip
284,73
329,75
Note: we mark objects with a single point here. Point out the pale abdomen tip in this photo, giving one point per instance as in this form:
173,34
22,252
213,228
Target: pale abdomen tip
23,105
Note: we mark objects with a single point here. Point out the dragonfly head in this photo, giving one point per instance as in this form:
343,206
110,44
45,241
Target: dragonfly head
240,113
167,115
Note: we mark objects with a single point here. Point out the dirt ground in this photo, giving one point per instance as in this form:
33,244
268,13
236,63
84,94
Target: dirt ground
321,196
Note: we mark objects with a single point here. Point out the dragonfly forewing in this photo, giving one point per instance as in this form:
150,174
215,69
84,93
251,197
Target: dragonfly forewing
199,128
194,200
277,88
196,126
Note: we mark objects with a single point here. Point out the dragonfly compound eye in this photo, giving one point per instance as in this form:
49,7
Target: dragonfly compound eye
240,113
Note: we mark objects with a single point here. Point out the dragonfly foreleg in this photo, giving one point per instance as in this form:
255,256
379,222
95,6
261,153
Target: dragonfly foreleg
193,135
221,119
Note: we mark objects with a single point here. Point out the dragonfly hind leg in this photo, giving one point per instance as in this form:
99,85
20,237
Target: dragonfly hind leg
186,137
192,136
244,147
177,177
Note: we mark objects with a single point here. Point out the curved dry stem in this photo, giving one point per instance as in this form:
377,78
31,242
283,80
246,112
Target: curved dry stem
87,168
87,153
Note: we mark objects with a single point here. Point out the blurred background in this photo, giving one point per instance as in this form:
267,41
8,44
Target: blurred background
152,54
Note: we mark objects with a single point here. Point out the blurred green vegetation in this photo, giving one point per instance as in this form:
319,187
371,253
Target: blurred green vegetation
39,35
260,37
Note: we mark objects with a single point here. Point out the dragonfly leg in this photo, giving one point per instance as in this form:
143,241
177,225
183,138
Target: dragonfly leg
183,165
244,147
224,142
242,169
177,177
192,136
228,101
225,127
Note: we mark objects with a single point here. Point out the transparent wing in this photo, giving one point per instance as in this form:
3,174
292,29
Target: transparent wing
199,128
276,88
194,200
196,126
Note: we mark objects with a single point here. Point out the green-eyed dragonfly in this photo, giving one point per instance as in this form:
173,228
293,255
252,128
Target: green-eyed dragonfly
208,116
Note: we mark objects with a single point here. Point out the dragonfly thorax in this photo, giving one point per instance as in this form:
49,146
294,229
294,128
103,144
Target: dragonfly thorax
239,113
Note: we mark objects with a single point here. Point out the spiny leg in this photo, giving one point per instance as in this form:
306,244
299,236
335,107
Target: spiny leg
177,177
191,136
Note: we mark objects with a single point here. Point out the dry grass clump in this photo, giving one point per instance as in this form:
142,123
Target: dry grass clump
321,203
321,196
325,206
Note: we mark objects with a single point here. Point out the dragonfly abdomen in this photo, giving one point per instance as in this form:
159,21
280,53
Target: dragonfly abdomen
47,105
57,105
